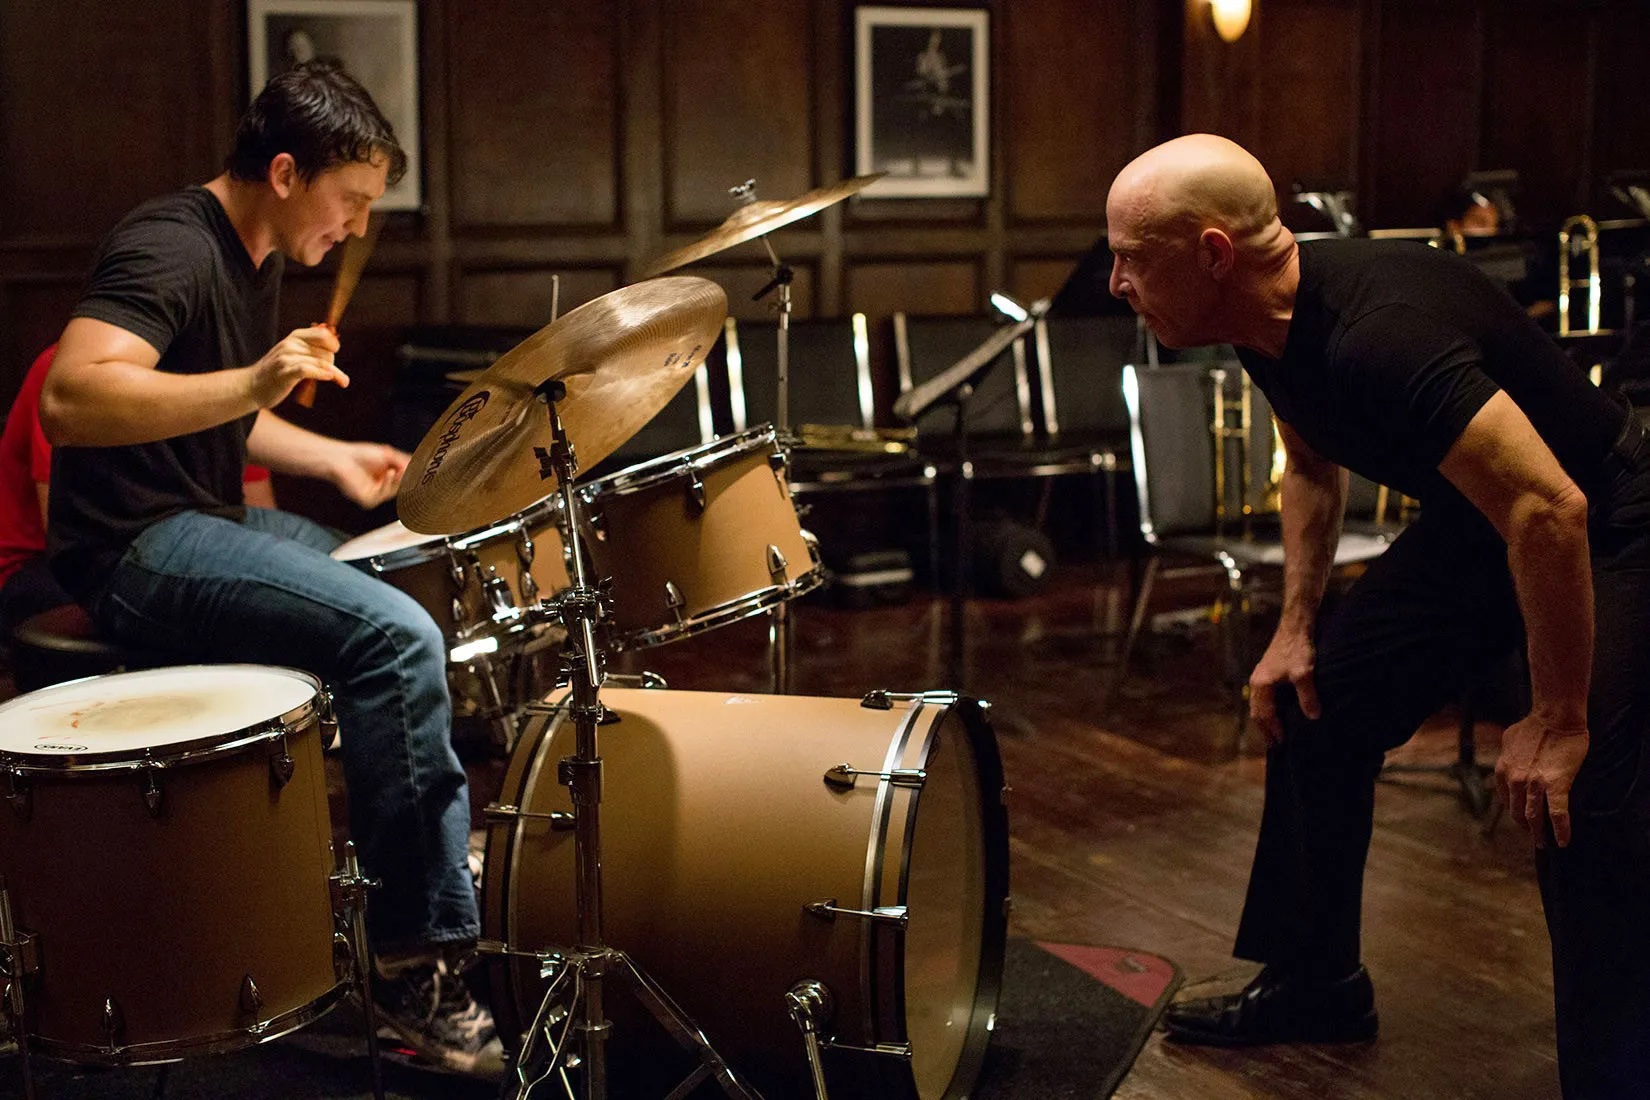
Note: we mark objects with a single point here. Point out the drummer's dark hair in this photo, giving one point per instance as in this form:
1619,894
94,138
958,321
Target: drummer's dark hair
321,116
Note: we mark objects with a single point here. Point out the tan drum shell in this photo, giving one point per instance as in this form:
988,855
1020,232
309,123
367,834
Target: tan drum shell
424,572
167,915
644,528
719,828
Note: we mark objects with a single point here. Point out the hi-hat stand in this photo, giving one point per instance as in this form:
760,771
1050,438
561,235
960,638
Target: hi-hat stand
570,1030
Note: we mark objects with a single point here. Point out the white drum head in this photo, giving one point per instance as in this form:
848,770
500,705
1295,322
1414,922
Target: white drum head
385,540
129,712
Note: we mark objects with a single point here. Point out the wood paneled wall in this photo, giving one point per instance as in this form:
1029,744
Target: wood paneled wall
580,139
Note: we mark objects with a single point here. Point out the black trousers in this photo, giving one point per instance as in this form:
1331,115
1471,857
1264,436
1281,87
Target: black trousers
1436,607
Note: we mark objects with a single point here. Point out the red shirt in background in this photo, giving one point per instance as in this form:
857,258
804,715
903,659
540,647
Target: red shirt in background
26,459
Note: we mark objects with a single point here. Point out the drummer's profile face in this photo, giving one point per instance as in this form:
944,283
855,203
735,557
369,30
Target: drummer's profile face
319,213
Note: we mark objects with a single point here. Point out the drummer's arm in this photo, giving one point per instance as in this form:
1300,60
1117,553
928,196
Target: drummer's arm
103,391
367,473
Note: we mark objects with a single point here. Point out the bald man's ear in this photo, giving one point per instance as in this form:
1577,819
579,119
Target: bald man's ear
1216,252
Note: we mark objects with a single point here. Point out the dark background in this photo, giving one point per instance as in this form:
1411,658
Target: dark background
582,138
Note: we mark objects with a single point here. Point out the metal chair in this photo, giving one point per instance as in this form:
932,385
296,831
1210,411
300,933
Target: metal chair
1205,464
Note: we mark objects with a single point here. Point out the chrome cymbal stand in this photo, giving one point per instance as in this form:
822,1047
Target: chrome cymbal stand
570,1030
781,645
18,960
349,907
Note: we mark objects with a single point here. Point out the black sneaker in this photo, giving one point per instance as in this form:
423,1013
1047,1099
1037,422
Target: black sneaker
428,1007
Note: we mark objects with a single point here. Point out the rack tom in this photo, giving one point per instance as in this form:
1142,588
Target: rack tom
697,539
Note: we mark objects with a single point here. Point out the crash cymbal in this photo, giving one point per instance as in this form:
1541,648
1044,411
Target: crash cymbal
622,357
757,218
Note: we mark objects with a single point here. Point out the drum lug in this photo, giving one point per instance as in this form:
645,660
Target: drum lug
19,794
252,1002
695,488
778,567
458,572
281,765
779,465
113,1024
811,541
841,777
882,699
828,909
152,795
502,813
674,601
328,720
343,957
525,583
496,593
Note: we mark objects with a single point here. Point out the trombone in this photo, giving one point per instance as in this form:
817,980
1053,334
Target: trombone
1569,244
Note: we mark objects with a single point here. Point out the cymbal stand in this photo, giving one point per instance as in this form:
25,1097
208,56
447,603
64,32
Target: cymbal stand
570,1029
781,645
18,960
349,901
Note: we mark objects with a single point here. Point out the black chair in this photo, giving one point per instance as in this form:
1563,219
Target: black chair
832,413
1207,502
1084,422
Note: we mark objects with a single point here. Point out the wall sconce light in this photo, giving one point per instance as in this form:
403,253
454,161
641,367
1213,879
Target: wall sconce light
1231,18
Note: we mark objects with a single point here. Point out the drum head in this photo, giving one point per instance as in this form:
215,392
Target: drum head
385,540
130,714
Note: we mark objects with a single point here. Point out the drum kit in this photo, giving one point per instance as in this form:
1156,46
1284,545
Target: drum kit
812,892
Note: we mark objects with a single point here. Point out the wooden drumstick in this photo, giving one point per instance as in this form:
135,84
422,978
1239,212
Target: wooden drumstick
350,266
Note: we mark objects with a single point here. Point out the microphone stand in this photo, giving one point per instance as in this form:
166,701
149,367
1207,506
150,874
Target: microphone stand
955,386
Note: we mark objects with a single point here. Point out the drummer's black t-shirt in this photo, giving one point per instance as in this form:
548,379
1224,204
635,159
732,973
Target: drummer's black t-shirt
1394,347
175,273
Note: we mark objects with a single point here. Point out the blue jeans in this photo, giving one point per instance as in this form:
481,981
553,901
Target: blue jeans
204,589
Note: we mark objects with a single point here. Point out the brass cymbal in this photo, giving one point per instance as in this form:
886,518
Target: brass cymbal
757,218
622,357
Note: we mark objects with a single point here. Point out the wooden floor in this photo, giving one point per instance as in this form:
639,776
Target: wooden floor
1136,826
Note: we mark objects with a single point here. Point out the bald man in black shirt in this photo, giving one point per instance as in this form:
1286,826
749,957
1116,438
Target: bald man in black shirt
1405,364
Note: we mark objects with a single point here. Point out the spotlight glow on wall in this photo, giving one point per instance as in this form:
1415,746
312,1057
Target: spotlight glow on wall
1231,18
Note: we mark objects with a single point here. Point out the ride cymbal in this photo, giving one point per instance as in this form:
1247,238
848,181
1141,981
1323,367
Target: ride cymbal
622,358
757,218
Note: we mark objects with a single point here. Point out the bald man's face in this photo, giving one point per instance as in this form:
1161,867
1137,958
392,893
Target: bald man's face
1158,273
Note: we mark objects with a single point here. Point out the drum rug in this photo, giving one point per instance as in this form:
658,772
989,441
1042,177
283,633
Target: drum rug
1072,1019
1070,1023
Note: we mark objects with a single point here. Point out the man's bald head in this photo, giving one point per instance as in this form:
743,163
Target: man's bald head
1197,247
1192,183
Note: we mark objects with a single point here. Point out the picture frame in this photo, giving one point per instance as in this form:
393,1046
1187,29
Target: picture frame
922,108
376,42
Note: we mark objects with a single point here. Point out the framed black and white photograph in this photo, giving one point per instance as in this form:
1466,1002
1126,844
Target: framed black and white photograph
375,41
921,106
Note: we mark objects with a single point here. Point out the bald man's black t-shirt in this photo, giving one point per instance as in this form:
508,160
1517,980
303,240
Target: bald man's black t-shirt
175,273
1394,347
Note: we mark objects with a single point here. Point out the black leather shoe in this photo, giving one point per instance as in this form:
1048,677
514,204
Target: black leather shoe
1276,1008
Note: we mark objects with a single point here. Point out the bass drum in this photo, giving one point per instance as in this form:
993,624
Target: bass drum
750,843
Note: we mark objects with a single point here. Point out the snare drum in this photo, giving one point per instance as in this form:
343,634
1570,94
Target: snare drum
698,538
167,845
754,842
448,574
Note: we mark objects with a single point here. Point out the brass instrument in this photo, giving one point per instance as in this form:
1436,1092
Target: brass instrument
1567,245
1226,433
846,437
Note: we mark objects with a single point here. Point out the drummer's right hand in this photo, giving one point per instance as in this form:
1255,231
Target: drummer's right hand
304,353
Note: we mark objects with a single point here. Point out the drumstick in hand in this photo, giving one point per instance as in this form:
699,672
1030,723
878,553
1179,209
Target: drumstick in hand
350,265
